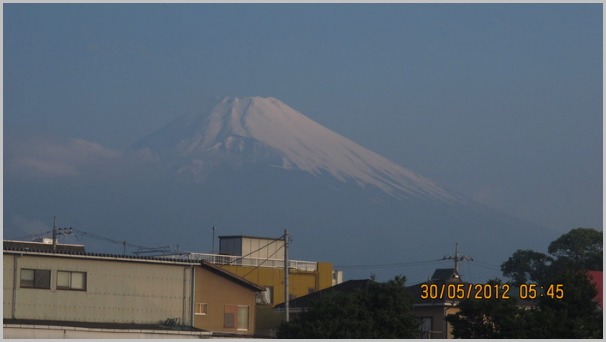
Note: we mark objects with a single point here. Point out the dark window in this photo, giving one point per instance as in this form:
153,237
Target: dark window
201,309
37,279
230,316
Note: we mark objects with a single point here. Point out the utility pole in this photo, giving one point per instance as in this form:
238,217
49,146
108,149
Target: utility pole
54,233
286,309
457,258
213,248
57,231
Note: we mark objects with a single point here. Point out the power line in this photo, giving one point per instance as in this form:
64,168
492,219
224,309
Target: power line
394,265
256,250
262,262
488,266
99,237
33,235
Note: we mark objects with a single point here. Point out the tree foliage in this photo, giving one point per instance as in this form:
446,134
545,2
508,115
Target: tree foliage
526,266
580,248
490,318
379,310
575,315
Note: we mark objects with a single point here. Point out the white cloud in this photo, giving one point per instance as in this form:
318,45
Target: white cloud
52,157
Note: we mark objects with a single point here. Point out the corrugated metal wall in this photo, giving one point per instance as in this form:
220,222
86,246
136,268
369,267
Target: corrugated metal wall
263,248
116,292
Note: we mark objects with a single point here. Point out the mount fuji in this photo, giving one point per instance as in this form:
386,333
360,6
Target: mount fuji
267,131
255,166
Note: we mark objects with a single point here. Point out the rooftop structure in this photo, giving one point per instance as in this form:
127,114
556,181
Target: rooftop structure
251,251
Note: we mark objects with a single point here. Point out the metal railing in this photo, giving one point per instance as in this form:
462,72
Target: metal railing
218,259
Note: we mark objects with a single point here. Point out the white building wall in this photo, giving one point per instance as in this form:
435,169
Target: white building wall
14,331
7,276
116,291
252,247
263,248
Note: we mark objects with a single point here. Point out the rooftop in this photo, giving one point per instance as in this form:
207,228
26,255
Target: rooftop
220,259
42,246
345,287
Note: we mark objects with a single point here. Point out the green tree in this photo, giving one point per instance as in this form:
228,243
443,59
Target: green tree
581,248
379,310
526,266
488,318
574,315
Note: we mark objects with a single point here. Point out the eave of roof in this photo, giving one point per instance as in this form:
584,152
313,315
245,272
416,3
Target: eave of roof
99,256
40,246
249,237
345,287
231,276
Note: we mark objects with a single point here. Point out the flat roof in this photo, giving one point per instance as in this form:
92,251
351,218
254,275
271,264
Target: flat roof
97,256
42,246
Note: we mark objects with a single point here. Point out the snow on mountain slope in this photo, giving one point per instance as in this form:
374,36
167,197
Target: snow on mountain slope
269,131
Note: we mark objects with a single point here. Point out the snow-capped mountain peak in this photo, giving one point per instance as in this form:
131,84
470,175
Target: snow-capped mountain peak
268,131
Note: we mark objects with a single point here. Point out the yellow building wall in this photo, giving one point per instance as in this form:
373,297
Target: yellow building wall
450,311
324,275
300,283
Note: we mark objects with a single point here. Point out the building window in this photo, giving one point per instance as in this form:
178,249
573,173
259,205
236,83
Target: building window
242,317
236,317
201,309
265,297
230,316
36,279
67,280
426,326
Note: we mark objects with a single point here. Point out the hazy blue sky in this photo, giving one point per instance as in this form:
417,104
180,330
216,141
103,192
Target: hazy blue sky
502,102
